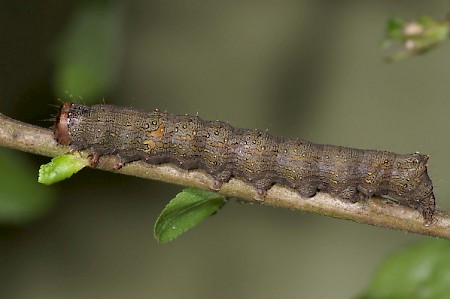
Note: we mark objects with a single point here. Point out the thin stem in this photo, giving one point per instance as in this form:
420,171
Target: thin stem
376,211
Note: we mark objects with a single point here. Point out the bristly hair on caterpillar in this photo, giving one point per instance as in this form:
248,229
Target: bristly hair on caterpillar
254,156
54,117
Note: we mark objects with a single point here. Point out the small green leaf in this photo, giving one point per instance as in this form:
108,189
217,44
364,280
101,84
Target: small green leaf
420,271
426,21
415,37
60,168
394,28
186,210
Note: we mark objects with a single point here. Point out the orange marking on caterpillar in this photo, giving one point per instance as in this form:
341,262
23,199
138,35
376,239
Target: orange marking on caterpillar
157,133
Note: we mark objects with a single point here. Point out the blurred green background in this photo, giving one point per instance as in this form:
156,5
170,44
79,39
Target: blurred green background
310,69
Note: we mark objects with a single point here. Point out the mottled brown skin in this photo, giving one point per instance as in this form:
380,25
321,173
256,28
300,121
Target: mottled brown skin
252,155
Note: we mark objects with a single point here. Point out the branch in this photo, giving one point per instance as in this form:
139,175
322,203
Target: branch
376,211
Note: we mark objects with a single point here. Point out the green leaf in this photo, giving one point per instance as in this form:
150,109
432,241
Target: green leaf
415,37
60,168
394,28
186,210
426,21
22,199
87,54
420,271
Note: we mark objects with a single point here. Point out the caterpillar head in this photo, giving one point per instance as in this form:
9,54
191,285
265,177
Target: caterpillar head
61,125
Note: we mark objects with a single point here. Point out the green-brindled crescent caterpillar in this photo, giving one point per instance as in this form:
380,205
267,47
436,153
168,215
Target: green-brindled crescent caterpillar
254,156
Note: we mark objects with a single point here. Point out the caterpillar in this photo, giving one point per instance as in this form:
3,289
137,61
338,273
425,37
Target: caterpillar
254,156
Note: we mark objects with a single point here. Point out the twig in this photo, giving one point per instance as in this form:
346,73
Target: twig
377,211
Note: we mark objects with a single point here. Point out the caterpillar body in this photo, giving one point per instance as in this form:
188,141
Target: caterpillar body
254,156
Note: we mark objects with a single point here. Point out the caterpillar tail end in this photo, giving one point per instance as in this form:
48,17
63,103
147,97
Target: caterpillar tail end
427,208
